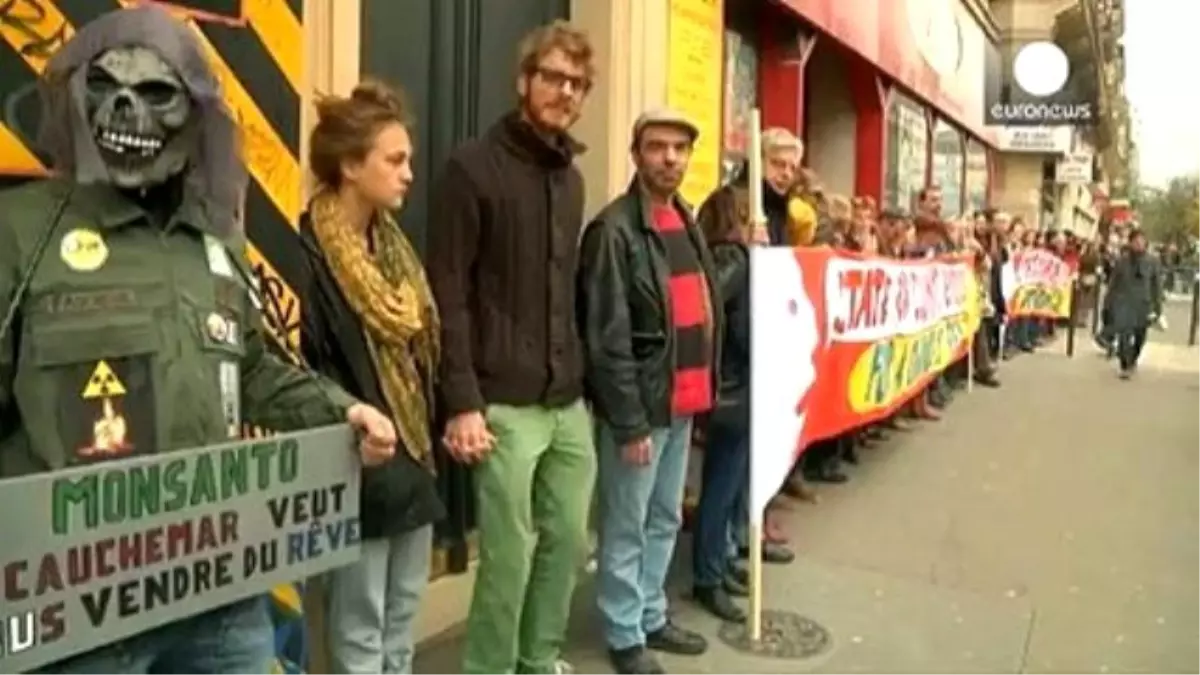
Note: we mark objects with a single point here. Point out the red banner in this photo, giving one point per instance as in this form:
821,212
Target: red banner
841,340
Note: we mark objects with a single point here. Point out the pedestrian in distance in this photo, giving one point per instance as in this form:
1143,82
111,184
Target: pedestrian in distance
1134,301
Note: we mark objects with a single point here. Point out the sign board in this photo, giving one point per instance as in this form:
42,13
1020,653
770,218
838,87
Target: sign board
1035,139
105,551
1074,168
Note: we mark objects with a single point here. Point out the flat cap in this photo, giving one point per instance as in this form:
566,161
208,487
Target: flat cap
664,117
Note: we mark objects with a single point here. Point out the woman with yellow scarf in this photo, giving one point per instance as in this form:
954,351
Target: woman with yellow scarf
369,323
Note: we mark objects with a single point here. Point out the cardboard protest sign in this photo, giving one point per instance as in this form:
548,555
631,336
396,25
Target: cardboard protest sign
97,553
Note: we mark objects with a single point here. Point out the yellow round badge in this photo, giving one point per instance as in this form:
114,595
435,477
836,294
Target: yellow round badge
83,250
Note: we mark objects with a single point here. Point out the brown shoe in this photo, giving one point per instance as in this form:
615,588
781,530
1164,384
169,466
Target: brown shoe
797,489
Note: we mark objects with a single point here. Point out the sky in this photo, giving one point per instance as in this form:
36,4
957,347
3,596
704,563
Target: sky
1161,50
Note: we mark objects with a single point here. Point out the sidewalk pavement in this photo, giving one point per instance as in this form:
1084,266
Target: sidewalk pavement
1048,526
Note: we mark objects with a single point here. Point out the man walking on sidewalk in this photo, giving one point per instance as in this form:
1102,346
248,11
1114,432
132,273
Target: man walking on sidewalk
1134,301
502,262
650,317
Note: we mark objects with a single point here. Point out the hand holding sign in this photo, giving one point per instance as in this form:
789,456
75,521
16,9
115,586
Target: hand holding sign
377,434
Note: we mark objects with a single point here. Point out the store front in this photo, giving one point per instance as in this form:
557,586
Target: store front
740,98
948,164
914,71
906,137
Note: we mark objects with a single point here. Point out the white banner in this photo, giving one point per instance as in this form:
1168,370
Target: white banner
783,351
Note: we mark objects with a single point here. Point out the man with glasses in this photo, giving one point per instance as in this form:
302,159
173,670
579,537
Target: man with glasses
507,213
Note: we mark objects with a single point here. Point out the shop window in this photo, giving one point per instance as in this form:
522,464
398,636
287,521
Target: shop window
741,96
907,153
976,176
949,163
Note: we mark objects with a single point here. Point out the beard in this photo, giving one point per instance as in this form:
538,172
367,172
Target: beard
536,115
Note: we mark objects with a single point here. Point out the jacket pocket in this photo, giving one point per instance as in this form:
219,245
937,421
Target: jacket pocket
645,344
92,388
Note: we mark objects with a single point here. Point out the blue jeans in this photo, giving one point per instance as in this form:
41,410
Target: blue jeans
726,471
739,521
1022,332
639,521
236,638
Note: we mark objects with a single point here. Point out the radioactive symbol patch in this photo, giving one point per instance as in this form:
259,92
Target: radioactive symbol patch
103,383
110,410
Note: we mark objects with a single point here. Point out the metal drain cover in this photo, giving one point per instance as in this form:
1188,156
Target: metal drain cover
785,635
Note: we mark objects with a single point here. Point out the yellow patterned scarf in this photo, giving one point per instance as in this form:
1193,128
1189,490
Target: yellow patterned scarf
390,294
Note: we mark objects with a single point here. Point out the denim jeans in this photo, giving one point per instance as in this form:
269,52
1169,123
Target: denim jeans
725,472
236,638
739,520
373,602
1022,332
639,522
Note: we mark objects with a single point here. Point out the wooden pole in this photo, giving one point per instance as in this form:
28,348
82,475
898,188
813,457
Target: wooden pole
758,224
756,582
971,362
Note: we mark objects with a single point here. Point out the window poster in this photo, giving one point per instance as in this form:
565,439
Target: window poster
696,30
976,176
741,95
907,153
948,165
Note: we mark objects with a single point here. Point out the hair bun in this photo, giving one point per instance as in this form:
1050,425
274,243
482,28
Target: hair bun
376,93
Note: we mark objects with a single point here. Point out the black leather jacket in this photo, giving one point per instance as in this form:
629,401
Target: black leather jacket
624,316
732,262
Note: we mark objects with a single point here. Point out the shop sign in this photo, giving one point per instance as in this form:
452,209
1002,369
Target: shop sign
1074,168
1035,139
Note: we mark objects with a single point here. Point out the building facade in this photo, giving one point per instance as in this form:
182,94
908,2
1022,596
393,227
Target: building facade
888,96
1040,171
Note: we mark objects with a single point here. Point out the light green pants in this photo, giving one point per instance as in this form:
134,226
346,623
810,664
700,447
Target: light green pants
533,496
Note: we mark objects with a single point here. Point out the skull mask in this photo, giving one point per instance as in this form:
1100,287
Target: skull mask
140,116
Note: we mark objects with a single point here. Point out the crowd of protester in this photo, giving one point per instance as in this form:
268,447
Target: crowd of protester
553,355
800,212
573,366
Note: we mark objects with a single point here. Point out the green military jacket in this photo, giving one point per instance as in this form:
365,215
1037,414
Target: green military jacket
133,337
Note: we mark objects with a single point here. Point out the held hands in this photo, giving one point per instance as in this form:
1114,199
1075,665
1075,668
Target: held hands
637,452
758,234
377,434
468,438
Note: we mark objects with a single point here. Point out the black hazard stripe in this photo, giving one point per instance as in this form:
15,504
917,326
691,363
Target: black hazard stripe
243,50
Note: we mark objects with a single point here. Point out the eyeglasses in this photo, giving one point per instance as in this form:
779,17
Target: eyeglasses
579,84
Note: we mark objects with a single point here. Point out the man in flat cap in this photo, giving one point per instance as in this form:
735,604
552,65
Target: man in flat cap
650,317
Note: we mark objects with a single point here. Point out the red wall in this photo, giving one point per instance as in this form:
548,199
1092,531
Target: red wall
878,30
780,74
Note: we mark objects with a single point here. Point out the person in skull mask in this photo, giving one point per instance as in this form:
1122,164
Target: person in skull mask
131,327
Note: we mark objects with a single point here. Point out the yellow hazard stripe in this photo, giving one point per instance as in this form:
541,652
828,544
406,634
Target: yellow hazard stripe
267,157
282,35
35,29
272,165
17,159
282,311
